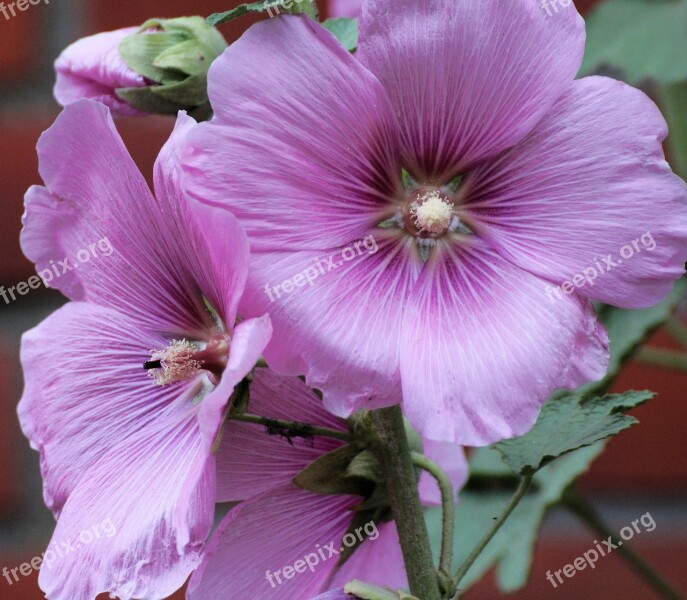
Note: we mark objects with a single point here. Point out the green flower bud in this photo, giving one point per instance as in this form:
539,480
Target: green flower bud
175,55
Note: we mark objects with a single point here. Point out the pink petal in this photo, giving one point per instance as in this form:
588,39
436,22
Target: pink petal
93,68
590,180
345,8
378,560
86,391
483,348
468,78
267,534
247,345
216,250
251,462
313,155
355,311
156,489
167,251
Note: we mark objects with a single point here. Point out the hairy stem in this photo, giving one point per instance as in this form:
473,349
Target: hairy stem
401,478
524,485
447,507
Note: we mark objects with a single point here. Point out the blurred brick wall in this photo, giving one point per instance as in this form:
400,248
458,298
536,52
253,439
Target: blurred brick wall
650,457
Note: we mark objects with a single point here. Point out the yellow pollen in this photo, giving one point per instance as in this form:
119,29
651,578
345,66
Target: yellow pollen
432,213
176,363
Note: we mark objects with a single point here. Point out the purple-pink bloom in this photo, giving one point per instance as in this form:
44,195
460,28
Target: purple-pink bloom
345,8
519,178
116,444
281,523
93,68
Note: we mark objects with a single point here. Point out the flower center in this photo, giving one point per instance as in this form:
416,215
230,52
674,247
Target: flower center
183,360
432,213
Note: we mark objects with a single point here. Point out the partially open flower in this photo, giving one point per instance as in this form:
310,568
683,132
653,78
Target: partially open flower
160,67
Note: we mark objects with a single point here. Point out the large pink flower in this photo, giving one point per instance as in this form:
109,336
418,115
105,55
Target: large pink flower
118,446
253,552
518,178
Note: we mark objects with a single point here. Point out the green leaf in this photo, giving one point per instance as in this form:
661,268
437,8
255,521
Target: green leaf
568,423
346,30
273,7
647,39
512,548
628,330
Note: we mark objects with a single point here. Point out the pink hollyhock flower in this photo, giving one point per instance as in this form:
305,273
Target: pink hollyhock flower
345,8
92,67
283,526
118,446
517,178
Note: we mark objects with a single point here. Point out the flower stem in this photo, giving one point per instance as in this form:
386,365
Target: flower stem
447,506
524,485
580,507
401,479
291,428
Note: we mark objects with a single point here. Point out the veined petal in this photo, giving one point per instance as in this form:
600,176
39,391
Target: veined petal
308,162
251,462
377,560
86,391
123,248
156,489
349,319
468,78
483,347
241,563
247,345
589,197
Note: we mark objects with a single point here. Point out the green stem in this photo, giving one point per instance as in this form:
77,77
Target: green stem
291,428
524,485
662,358
580,507
447,506
393,451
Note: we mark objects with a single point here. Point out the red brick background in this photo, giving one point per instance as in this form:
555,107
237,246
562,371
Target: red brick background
645,463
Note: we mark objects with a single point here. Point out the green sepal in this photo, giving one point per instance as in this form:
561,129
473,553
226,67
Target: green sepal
174,54
366,466
329,474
